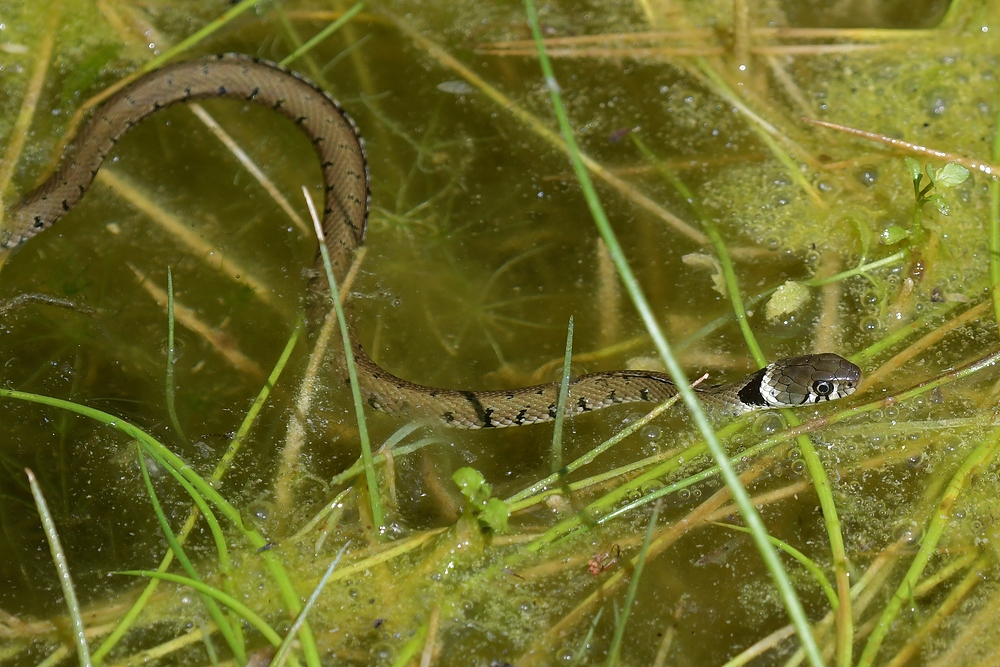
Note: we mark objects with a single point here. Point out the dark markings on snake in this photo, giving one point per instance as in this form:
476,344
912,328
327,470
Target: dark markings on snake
477,406
750,393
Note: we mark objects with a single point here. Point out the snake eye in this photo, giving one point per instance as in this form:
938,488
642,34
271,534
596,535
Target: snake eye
823,388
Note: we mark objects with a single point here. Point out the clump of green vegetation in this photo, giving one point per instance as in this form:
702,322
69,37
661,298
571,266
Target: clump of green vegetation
480,249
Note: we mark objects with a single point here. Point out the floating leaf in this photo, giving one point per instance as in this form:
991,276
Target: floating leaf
786,299
702,261
914,167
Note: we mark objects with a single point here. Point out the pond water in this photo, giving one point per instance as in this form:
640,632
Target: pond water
480,248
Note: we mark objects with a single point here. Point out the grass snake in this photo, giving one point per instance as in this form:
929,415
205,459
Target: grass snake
340,148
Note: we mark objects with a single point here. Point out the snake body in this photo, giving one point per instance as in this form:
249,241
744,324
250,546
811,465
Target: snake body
340,149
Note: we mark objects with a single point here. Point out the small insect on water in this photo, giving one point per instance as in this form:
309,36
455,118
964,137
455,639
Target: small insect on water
604,559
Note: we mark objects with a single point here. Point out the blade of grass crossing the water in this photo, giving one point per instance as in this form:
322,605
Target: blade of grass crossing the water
806,562
561,403
289,596
994,188
202,506
240,609
239,651
742,499
581,651
286,644
62,567
258,404
728,272
323,34
201,34
171,390
126,621
378,516
845,623
633,587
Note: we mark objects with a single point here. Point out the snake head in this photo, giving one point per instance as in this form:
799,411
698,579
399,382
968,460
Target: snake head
811,378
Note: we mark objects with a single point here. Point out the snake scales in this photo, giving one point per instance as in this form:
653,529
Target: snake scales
787,382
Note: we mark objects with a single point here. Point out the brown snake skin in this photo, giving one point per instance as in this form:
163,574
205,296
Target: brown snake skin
787,382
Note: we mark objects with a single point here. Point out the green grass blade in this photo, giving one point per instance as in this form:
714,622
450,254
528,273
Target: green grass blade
740,496
258,404
378,516
171,405
633,587
202,507
764,130
323,34
201,34
520,500
286,644
126,621
804,560
994,188
557,432
239,651
289,596
65,580
412,647
243,611
581,650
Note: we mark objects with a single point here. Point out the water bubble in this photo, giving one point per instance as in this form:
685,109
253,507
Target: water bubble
261,510
869,324
867,175
908,531
768,423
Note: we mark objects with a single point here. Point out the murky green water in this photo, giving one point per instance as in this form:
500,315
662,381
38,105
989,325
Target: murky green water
480,248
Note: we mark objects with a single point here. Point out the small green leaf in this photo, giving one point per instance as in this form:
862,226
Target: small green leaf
929,170
892,235
494,515
471,483
950,175
914,168
941,204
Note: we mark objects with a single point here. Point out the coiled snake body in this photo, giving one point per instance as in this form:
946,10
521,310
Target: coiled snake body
787,382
